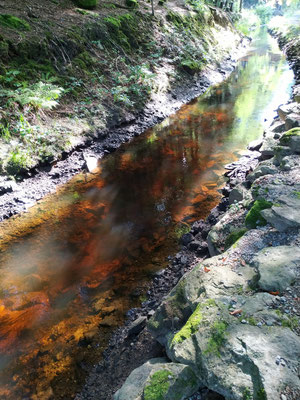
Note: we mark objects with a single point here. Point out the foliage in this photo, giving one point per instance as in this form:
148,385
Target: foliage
12,22
132,89
254,217
88,4
248,22
39,95
264,12
158,386
132,3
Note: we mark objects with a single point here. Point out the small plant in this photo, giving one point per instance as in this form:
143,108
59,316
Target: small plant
88,4
247,394
217,339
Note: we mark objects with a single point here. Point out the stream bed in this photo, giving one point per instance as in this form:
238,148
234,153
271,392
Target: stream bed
76,262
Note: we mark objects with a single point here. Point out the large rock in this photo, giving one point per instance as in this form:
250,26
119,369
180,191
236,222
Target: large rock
159,379
282,218
292,121
277,267
264,168
231,222
287,109
291,139
231,352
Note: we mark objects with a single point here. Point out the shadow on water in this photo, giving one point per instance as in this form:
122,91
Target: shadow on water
77,261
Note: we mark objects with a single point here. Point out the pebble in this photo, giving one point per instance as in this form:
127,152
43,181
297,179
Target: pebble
243,321
283,397
282,299
259,324
283,363
287,311
278,358
269,323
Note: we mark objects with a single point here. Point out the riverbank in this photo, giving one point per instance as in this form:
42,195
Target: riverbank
93,126
238,278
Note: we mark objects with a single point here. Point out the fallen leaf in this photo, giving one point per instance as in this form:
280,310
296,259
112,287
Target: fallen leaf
235,312
274,293
206,269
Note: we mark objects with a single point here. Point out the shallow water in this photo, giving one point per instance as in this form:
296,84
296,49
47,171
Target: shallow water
80,259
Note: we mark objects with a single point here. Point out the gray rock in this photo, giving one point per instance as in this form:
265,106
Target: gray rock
7,187
179,380
255,145
267,149
137,325
292,121
292,140
282,218
277,127
238,193
277,267
264,168
286,109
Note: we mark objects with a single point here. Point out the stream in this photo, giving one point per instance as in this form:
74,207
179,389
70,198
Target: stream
76,262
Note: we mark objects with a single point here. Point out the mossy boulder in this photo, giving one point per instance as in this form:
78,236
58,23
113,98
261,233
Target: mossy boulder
159,379
254,217
291,139
87,4
12,22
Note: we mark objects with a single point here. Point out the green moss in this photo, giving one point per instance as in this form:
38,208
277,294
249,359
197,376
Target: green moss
297,194
88,4
290,322
158,386
254,217
132,3
217,339
291,132
190,327
12,22
234,237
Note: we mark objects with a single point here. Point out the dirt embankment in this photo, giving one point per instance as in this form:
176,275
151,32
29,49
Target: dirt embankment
119,70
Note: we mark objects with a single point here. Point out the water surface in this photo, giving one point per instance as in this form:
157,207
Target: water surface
77,261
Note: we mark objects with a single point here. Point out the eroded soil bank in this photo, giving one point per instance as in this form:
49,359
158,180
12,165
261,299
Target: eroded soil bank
159,63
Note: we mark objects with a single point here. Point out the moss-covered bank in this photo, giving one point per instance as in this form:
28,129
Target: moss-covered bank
65,81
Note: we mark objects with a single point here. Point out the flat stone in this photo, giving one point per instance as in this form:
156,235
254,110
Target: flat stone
282,218
286,109
292,121
255,145
277,267
137,326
